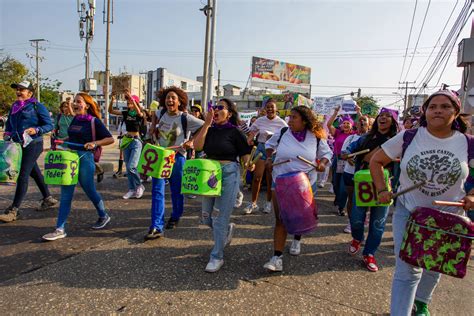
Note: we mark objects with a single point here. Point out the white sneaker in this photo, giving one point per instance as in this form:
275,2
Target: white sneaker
295,248
140,191
214,265
239,199
347,229
268,207
129,194
57,234
250,208
275,264
331,189
230,234
320,185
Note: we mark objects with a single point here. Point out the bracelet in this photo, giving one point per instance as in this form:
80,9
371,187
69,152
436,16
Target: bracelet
381,191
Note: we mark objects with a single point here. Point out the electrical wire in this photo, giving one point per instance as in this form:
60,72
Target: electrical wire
65,69
418,39
408,43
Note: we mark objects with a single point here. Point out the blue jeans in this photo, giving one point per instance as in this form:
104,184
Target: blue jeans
29,167
216,211
158,195
409,282
131,155
338,185
378,217
86,180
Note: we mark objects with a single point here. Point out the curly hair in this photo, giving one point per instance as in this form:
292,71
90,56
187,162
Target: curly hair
310,121
182,97
93,107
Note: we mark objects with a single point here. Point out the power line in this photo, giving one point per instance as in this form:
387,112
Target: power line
418,40
408,43
65,69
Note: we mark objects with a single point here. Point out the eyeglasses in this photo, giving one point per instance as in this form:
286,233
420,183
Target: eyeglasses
218,107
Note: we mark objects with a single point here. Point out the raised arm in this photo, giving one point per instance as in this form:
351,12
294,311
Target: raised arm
331,120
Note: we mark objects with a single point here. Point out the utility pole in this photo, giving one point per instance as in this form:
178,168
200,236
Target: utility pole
406,94
107,19
86,31
35,43
218,92
466,60
212,52
207,12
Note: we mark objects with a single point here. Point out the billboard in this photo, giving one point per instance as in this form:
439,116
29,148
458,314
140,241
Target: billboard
274,74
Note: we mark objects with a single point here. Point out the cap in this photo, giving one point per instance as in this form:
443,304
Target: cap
23,85
197,106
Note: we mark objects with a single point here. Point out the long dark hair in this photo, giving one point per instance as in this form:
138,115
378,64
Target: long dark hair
311,123
375,130
232,108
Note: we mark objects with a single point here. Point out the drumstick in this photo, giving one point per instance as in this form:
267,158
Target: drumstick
410,188
281,162
58,141
307,161
358,153
448,203
246,164
257,157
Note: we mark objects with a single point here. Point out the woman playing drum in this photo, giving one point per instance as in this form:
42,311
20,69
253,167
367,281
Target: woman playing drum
301,139
221,140
438,155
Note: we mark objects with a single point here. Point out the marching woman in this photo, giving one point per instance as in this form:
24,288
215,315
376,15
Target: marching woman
221,140
131,143
265,127
439,138
27,119
173,128
63,120
340,134
87,130
305,137
385,127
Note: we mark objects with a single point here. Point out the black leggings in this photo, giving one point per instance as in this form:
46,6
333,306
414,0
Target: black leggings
29,167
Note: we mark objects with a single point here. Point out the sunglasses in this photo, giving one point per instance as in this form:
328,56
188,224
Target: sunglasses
218,107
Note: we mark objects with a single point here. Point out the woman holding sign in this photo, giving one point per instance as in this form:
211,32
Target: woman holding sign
265,127
86,133
131,143
221,140
305,137
173,130
384,128
437,153
28,120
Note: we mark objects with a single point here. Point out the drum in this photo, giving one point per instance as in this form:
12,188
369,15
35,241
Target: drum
364,188
10,162
438,241
202,177
156,161
61,167
297,206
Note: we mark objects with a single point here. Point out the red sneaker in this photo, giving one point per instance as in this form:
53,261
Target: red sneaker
370,263
354,247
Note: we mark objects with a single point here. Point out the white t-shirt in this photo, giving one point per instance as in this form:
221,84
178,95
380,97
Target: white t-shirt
441,162
266,127
289,148
347,166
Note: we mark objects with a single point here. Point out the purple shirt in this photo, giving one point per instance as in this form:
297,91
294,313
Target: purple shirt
339,138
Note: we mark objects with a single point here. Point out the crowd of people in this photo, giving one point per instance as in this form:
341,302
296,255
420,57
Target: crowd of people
300,144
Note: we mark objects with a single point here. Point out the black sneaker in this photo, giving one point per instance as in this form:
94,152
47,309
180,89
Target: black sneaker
100,177
101,222
341,212
172,223
47,203
118,174
153,234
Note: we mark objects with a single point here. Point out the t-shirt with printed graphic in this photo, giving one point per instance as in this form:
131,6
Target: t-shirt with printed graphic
441,162
266,127
171,131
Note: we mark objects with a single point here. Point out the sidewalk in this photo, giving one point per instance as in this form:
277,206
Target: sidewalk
114,271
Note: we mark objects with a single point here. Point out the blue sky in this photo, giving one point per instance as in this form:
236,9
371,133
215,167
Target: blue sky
348,44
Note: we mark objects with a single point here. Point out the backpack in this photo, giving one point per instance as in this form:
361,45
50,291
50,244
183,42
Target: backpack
98,149
409,135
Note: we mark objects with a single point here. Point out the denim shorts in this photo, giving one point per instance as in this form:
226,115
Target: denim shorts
261,149
348,179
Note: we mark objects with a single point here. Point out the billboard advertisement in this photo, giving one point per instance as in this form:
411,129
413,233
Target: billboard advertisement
275,74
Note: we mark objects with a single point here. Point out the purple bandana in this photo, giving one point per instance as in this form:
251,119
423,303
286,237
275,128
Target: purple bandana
20,104
84,117
300,136
226,125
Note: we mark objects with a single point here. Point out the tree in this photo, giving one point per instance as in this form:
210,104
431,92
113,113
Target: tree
11,71
368,105
49,94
